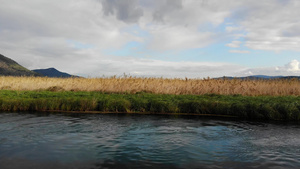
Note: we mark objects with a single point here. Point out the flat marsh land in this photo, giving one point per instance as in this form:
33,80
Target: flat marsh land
246,99
156,85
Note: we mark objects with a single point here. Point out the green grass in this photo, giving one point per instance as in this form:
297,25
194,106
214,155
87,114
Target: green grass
244,107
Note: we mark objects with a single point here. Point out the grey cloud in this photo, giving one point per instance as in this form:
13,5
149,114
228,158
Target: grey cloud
166,7
292,30
284,2
125,10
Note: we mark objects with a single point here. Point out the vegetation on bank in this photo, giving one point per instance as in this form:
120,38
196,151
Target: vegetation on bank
246,107
125,84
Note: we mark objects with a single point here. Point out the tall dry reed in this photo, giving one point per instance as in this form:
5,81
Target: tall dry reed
156,85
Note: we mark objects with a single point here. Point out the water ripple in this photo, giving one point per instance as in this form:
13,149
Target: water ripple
144,141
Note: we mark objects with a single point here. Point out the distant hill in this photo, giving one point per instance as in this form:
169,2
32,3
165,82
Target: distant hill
52,72
9,67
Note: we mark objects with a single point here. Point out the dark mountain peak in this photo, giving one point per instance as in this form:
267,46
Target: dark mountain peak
52,72
50,69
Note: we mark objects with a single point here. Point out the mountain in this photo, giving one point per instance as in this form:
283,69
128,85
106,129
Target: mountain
9,67
52,72
258,77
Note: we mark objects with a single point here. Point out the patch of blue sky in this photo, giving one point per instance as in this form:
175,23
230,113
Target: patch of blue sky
219,52
212,53
258,58
79,45
270,58
130,49
136,31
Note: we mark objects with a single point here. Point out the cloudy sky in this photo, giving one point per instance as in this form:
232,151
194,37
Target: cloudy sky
162,38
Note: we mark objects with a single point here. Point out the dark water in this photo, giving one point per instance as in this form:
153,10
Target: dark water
143,141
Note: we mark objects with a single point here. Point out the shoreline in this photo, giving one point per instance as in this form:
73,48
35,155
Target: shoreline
140,113
282,108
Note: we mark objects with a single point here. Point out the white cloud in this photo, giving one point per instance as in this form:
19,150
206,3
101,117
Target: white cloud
293,66
271,25
176,24
290,69
178,38
157,68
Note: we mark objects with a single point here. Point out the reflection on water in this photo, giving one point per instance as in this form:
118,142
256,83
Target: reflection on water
143,141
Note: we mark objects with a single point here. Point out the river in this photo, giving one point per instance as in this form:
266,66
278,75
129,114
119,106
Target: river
47,140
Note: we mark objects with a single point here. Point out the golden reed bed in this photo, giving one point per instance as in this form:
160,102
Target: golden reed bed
156,85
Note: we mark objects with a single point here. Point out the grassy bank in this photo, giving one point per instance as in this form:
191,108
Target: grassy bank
275,87
245,107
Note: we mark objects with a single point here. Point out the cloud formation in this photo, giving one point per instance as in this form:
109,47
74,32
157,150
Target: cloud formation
290,69
74,36
270,25
157,68
293,66
125,10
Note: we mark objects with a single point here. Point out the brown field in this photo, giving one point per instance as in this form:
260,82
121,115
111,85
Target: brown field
155,85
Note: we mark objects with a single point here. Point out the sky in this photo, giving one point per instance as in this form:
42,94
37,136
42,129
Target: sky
153,38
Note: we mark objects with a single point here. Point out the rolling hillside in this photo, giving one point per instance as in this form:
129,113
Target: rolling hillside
9,67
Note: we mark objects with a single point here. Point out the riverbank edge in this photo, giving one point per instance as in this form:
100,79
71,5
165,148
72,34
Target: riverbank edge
283,108
139,113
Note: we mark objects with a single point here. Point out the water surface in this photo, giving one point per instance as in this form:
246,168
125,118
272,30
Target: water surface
144,141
